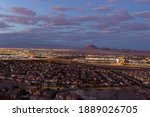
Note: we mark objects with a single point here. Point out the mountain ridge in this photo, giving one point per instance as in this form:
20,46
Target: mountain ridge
95,49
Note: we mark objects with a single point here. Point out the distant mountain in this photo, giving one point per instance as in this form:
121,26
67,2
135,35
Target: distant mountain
90,47
93,49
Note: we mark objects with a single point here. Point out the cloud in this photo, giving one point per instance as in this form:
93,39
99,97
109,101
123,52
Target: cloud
25,20
130,28
58,20
135,26
143,1
3,25
52,38
21,20
95,21
56,38
103,8
100,26
119,16
87,18
62,20
112,19
22,11
144,14
66,8
112,1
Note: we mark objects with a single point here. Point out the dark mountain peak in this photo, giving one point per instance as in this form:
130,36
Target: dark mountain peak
90,47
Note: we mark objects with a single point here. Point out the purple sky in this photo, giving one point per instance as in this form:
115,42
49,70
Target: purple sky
123,24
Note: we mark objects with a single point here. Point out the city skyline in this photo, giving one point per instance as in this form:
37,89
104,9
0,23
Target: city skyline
75,24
